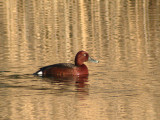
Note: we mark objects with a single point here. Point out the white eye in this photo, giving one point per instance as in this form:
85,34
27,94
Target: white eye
84,54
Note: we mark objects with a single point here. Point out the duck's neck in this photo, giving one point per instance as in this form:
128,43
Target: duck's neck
78,62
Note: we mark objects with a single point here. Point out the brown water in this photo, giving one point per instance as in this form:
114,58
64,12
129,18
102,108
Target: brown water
123,35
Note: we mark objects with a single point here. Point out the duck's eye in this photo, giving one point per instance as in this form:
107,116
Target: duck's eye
84,54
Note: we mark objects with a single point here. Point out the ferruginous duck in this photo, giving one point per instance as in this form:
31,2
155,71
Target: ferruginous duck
67,69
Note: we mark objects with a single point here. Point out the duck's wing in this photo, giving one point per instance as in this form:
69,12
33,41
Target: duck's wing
60,65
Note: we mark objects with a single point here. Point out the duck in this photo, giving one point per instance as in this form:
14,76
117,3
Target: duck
67,69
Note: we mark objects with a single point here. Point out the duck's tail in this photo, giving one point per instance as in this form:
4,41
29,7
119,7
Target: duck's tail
39,73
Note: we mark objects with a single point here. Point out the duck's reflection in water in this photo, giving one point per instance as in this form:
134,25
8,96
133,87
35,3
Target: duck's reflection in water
70,84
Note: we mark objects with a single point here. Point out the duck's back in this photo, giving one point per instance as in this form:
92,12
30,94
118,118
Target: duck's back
60,65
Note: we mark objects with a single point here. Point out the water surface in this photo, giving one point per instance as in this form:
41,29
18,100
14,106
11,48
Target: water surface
123,35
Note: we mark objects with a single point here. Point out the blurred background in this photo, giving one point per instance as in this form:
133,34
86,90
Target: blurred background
124,35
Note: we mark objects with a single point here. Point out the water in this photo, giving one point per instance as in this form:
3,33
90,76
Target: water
122,35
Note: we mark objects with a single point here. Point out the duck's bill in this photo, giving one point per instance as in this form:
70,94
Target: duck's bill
92,60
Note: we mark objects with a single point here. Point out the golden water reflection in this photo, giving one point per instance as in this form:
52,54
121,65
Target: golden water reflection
122,35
